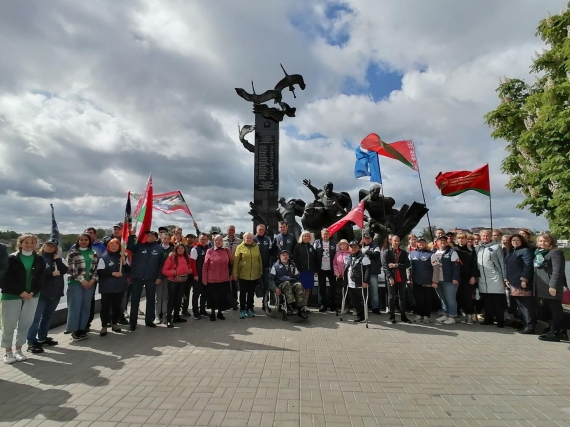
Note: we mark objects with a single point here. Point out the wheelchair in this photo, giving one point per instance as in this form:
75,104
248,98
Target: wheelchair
277,304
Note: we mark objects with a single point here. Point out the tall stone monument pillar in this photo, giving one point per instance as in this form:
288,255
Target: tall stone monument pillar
266,147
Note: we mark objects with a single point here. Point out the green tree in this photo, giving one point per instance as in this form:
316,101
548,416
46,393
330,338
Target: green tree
426,234
534,120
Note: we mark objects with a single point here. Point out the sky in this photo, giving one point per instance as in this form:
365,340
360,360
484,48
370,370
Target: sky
96,95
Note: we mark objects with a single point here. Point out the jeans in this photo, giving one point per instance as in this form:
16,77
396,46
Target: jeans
526,306
447,293
373,289
78,307
138,285
423,296
162,298
111,308
18,314
175,293
42,319
247,293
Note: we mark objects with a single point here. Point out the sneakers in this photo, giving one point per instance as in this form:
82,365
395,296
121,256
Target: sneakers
469,321
169,325
242,314
48,341
19,356
441,319
449,321
418,319
197,316
77,336
181,320
302,314
221,316
35,348
158,320
249,313
426,320
9,358
185,313
204,313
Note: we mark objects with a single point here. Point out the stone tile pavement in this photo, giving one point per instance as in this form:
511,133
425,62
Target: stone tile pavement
267,372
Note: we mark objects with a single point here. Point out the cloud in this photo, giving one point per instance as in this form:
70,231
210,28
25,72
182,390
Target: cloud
96,95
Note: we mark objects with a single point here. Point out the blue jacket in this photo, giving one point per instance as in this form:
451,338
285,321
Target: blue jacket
422,270
108,284
450,267
265,248
283,273
282,242
147,259
53,285
519,264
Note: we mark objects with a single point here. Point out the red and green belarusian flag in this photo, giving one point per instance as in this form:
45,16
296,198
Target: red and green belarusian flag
457,182
404,151
143,211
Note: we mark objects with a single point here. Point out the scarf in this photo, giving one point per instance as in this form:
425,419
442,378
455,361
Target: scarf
539,257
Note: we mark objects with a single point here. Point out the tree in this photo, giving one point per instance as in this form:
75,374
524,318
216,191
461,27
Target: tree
214,229
426,234
534,120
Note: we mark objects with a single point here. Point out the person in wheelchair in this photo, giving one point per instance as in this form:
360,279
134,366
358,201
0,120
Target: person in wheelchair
284,279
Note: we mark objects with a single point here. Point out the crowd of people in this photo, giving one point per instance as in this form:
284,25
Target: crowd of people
484,277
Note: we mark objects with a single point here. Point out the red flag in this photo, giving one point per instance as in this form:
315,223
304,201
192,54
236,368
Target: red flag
457,182
404,151
146,206
127,220
356,215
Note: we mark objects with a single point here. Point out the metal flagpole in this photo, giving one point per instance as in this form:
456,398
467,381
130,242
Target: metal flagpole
423,194
490,203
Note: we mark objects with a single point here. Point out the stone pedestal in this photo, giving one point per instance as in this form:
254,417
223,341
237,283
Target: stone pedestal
266,169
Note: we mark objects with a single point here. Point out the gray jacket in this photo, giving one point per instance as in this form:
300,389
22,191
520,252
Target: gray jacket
550,274
492,271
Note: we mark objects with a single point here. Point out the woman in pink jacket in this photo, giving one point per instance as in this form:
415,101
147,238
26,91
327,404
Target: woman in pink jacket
216,274
177,270
338,262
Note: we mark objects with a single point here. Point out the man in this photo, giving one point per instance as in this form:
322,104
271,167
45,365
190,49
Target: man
372,251
161,305
284,241
161,231
450,238
469,272
178,237
395,262
231,242
284,279
96,244
197,256
116,234
145,272
440,232
422,280
265,247
325,251
356,278
337,204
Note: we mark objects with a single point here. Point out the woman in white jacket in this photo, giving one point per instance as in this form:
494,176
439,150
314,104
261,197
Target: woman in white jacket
492,279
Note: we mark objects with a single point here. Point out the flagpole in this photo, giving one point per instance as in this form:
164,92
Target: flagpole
490,203
423,193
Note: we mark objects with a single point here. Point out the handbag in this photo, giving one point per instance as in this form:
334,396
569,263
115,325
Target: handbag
182,278
259,290
566,296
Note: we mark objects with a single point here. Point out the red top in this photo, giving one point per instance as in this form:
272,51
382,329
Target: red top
171,270
216,267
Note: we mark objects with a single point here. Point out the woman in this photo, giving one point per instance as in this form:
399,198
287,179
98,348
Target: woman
112,270
338,266
304,258
177,269
216,275
518,263
446,276
21,287
549,281
421,276
476,239
395,262
82,262
52,291
468,278
413,242
247,269
492,281
528,236
161,305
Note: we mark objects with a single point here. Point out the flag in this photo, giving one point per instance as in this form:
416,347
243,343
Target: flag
356,215
54,230
168,203
140,209
127,221
367,164
145,204
457,182
404,151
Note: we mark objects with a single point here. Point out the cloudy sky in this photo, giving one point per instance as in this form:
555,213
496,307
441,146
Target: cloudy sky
96,95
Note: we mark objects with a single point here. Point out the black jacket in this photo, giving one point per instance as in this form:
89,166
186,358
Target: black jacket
304,257
318,245
108,284
265,248
551,274
468,264
373,253
360,272
147,259
518,263
389,257
14,281
3,260
53,285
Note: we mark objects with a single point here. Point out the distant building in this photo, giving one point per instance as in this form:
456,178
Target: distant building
458,230
478,229
510,230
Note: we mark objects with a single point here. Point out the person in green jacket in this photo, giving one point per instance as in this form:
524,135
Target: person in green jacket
247,269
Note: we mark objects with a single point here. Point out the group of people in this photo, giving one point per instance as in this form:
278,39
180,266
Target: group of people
469,274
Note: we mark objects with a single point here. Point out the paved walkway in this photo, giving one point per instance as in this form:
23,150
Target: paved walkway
266,372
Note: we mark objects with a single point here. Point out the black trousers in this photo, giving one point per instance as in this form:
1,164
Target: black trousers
397,291
186,295
424,297
322,276
464,297
357,301
111,308
175,292
557,321
234,289
247,293
383,298
216,293
495,308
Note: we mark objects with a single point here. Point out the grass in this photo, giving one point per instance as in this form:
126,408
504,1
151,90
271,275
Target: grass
566,253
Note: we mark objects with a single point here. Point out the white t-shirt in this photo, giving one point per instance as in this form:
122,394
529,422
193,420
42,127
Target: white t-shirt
326,260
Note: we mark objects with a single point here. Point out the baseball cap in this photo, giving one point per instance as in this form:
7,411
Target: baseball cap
353,243
285,251
154,233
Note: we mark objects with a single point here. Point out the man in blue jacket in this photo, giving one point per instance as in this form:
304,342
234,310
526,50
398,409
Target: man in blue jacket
145,273
422,276
265,248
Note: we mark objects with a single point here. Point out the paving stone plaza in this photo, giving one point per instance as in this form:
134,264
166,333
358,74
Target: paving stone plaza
267,372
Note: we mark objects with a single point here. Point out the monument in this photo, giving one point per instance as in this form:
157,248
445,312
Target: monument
264,208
